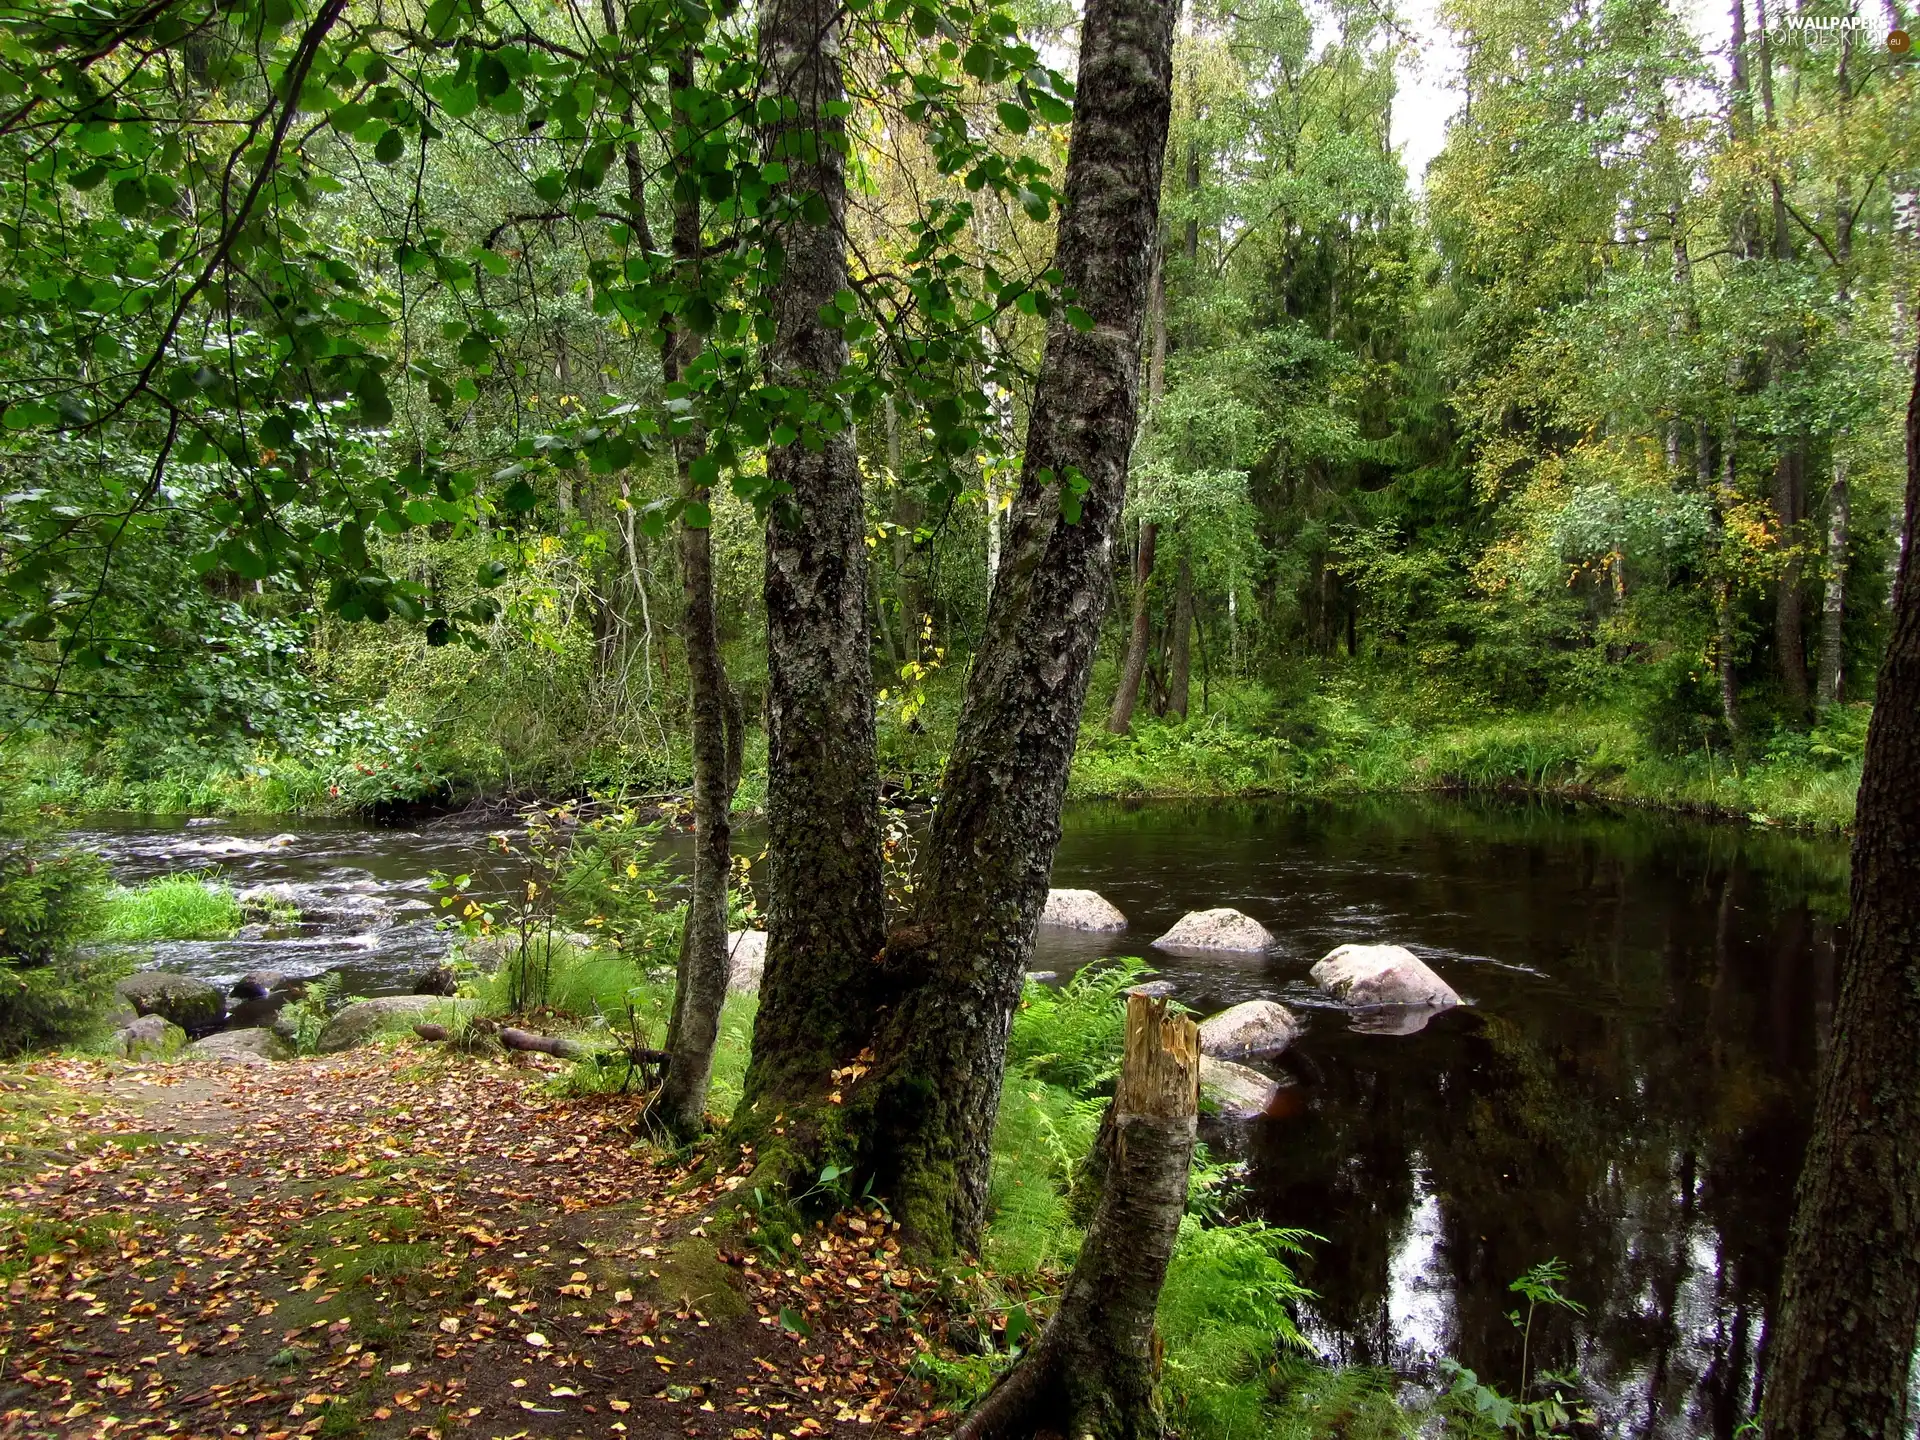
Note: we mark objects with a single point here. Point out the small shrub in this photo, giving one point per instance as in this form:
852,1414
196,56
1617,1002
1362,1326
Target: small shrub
309,1011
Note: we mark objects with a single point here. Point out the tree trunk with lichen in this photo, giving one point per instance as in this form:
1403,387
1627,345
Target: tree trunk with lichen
1850,1296
825,919
926,1106
1093,1371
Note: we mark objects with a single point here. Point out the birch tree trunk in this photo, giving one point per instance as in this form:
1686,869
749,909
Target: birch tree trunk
825,921
1850,1296
927,1107
1093,1372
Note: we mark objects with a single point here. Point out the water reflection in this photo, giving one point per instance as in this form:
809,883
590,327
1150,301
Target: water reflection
1629,1090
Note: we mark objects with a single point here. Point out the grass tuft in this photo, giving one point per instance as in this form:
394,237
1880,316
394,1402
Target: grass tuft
192,906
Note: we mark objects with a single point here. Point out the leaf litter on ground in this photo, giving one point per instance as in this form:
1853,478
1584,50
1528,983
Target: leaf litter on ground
382,1245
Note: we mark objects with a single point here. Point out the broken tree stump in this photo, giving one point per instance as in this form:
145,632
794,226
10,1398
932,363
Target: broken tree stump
1093,1371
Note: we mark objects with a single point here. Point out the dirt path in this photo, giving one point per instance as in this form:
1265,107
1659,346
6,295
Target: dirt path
395,1245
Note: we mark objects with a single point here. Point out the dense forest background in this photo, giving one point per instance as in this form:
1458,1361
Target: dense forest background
1576,465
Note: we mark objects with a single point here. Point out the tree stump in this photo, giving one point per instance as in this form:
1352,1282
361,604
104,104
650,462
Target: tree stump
1093,1372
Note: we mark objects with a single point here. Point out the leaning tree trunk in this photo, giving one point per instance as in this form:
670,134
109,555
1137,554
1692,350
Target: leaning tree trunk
701,981
1180,645
825,919
926,1110
1850,1297
1093,1372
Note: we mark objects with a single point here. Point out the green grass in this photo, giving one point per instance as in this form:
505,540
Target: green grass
1352,731
174,907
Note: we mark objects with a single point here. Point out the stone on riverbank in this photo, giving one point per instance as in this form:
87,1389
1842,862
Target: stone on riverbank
254,1046
1082,910
1257,1027
436,980
364,1020
194,1005
1234,1091
746,960
151,1037
1382,975
1223,929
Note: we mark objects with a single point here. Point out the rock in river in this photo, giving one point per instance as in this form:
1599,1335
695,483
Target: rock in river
1257,1027
1235,1091
365,1019
194,1005
1382,975
254,1046
1222,929
1082,910
746,960
256,984
151,1037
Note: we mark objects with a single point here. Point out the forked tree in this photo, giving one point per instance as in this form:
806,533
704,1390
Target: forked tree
885,1052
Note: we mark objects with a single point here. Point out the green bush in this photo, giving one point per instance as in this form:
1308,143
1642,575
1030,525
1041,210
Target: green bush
174,907
51,990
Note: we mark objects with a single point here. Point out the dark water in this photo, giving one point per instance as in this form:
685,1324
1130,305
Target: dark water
1627,1091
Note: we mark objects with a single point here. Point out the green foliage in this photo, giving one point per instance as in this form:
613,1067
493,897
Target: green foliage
309,1011
1072,1036
51,988
191,906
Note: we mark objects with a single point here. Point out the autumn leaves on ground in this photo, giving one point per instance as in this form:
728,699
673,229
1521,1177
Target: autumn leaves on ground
394,1245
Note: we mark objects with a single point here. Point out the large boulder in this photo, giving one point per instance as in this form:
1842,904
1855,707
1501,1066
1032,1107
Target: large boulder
1256,1027
194,1005
746,960
150,1037
1082,910
1234,1091
1222,929
255,1046
1382,975
365,1020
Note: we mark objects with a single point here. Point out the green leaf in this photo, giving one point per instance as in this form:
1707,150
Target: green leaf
390,146
130,196
696,516
794,1323
1014,117
1035,205
519,498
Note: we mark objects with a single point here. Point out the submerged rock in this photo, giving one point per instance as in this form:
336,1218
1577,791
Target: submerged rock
1382,975
150,1037
1257,1027
746,960
255,1046
1082,910
1221,929
1234,1091
194,1005
364,1020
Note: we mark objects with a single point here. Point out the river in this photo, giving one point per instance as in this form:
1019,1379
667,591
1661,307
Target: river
1627,1090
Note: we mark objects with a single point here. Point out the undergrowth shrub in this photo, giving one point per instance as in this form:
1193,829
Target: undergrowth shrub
52,990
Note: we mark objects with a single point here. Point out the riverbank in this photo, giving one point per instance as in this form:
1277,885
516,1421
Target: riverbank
1336,734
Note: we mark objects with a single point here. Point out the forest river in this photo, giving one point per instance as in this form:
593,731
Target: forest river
1627,1090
